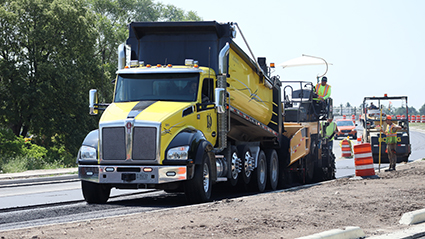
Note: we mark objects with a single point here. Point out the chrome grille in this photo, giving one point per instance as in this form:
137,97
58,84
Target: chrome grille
144,143
113,143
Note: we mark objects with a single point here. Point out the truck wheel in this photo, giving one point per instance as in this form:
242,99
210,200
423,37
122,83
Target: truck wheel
235,166
247,163
259,176
272,168
95,193
198,189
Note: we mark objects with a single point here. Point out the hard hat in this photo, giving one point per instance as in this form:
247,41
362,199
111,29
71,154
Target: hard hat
389,117
324,78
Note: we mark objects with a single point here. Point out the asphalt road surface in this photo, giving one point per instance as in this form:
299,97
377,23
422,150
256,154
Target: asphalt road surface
62,201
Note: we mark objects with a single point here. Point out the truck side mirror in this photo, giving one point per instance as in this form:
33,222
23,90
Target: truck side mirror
93,102
220,100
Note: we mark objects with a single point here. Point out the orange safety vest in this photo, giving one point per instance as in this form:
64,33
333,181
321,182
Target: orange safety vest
322,92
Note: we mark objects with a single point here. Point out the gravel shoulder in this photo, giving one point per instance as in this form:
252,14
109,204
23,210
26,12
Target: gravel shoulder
374,205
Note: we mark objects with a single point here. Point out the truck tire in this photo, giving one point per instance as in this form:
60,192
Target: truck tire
272,169
259,176
95,193
198,189
235,166
247,161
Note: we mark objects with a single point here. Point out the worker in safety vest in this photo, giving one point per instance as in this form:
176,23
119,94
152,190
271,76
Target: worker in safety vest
329,130
323,90
391,134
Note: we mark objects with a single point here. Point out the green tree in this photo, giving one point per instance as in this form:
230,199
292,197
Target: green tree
400,111
112,17
422,110
413,111
172,13
46,62
53,51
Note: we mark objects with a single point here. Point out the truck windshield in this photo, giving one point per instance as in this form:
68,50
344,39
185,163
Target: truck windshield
166,87
344,123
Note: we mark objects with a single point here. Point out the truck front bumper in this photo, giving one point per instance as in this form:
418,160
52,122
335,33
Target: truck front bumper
112,174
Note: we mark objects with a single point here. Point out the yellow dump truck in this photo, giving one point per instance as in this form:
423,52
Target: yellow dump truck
190,109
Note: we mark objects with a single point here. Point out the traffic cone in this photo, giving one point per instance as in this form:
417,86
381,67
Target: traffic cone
346,148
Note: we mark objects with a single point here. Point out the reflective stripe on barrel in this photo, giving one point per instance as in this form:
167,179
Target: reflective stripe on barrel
363,160
345,148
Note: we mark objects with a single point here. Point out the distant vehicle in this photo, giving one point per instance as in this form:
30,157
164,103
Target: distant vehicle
374,119
346,128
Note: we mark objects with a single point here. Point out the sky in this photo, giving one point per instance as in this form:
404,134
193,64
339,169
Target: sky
376,47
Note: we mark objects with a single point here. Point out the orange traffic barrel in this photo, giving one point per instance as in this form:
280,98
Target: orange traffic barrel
423,119
345,148
418,118
363,160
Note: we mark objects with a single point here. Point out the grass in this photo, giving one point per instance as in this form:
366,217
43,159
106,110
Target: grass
417,125
22,163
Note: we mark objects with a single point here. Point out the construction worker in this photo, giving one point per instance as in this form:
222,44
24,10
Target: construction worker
391,134
329,130
372,106
323,90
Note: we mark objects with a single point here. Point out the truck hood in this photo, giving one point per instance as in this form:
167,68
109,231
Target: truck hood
346,127
154,111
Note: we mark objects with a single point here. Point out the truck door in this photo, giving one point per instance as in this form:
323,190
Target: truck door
207,116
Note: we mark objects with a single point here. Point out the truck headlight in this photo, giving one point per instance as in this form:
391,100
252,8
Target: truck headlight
88,153
178,153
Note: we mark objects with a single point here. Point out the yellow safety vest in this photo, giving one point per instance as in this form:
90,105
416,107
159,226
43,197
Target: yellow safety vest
323,91
391,134
330,129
